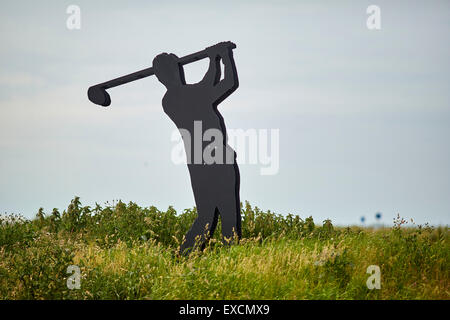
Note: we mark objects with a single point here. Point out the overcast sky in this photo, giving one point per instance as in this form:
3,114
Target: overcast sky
364,115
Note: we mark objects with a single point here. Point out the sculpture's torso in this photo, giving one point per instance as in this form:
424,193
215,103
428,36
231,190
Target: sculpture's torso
192,109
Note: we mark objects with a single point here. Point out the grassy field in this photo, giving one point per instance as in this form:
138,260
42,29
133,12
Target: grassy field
128,252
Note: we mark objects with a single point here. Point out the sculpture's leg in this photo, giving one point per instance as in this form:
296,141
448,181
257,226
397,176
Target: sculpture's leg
202,229
230,211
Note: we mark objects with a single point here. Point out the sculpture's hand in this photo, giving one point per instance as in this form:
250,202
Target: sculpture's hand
221,49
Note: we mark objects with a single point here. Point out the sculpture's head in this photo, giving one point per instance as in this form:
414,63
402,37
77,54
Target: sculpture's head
168,71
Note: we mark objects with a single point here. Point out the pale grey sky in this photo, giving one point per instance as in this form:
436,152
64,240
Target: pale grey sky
364,115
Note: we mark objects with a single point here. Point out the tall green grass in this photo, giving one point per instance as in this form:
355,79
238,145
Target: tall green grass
125,251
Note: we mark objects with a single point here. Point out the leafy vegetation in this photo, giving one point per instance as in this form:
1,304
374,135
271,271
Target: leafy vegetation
128,252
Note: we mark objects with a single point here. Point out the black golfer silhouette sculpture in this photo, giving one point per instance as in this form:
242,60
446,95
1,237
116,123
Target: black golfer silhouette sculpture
193,109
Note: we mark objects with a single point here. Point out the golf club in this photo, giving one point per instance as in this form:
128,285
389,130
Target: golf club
98,95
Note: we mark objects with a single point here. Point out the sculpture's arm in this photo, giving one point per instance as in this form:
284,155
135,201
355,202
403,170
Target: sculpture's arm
230,81
212,76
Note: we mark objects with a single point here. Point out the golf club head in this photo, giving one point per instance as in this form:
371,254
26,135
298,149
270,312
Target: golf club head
98,95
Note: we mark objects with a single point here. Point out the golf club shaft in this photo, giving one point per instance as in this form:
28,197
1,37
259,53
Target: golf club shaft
149,71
